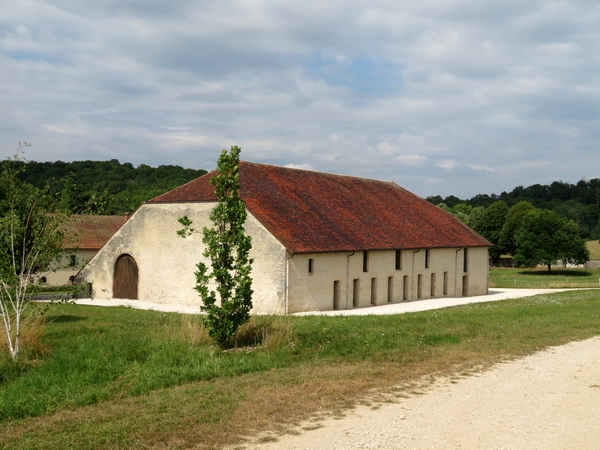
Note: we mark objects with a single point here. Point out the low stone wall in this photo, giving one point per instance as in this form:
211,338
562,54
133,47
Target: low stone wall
592,265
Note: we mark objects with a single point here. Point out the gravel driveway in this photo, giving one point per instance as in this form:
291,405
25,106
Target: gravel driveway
495,294
549,400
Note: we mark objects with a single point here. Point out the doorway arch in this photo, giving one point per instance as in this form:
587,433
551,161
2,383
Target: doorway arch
125,280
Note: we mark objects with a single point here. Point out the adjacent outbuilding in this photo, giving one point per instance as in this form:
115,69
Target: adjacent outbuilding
319,242
84,236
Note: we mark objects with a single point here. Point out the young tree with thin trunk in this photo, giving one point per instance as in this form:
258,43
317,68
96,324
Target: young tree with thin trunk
31,240
227,248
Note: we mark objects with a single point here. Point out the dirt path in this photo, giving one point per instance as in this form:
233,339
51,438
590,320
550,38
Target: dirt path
550,400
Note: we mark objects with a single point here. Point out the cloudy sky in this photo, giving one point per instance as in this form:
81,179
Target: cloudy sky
449,97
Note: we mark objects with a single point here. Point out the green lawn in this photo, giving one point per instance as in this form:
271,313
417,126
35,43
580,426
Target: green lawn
594,248
124,378
541,278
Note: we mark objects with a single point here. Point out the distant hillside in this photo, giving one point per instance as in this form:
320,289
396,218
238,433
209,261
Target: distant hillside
106,187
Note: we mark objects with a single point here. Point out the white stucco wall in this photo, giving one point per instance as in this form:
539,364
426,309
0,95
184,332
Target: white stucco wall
167,262
315,291
166,265
62,270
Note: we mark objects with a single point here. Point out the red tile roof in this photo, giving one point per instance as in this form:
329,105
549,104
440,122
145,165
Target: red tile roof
311,211
91,232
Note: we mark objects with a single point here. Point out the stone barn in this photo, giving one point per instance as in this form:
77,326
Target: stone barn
319,242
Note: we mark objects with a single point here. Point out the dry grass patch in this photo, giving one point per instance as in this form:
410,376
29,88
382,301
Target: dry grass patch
32,343
251,405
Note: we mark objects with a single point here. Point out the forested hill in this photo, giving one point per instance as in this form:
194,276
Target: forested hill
579,202
106,187
541,196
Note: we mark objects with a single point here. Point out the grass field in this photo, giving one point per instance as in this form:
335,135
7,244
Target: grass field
124,378
594,248
541,278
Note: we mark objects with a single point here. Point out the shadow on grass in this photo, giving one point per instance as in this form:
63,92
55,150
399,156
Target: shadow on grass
67,318
557,272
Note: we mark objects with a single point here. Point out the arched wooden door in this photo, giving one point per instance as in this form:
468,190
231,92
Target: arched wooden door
125,281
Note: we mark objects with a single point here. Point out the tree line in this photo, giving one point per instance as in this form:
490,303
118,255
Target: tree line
530,235
103,187
578,202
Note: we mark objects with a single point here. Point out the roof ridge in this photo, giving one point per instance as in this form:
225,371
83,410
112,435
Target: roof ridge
311,211
318,171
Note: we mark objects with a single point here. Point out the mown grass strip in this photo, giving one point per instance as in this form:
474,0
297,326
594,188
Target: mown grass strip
119,378
543,279
594,248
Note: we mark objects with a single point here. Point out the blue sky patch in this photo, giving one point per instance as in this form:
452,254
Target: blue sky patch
363,75
29,56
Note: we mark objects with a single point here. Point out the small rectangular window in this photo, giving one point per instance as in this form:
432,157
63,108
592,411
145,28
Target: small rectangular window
390,292
432,285
365,261
465,260
405,288
419,286
398,259
72,260
310,265
355,293
427,258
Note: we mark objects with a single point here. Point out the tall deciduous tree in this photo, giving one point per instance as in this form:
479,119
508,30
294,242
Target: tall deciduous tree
490,224
512,225
546,238
227,248
31,239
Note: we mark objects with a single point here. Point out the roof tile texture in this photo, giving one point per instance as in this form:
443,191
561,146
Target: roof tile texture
311,211
91,232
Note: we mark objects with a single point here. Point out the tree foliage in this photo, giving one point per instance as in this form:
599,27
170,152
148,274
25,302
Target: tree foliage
546,238
104,187
514,219
227,248
579,202
31,239
490,225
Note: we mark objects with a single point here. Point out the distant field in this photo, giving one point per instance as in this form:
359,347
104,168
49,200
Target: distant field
541,278
594,248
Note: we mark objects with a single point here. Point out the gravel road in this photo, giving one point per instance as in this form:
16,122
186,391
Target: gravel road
550,400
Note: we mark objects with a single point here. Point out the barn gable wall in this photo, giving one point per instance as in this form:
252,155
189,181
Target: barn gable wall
167,262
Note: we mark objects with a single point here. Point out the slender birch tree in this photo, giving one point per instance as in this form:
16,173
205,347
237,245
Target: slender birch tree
31,239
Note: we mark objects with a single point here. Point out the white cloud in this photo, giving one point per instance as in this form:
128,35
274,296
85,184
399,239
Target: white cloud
433,181
66,129
447,164
183,139
411,160
304,166
346,87
480,167
385,148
